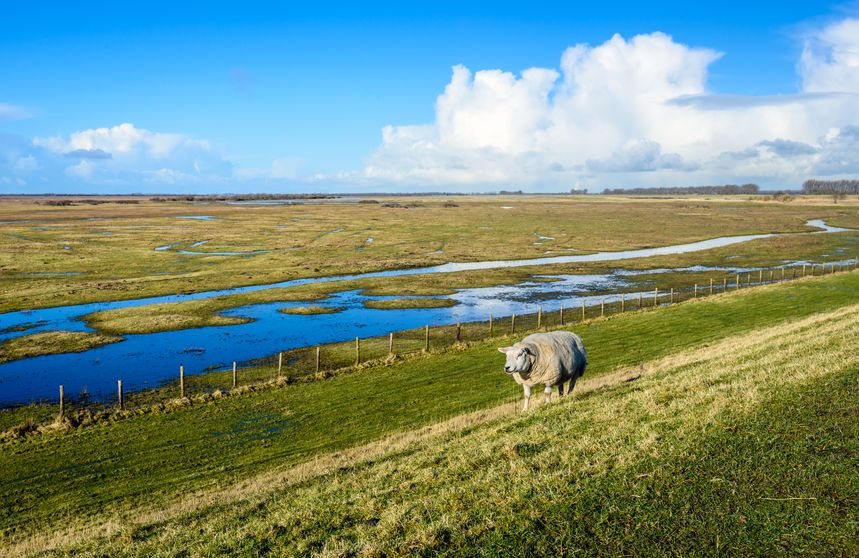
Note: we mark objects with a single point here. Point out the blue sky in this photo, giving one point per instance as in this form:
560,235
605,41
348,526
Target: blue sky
308,89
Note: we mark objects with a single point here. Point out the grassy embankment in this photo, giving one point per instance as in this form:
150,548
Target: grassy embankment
68,255
91,474
745,447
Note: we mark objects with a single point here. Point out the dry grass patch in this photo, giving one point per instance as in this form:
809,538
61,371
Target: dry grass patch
52,342
402,303
312,309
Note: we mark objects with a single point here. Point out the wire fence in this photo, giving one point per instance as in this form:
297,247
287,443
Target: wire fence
317,362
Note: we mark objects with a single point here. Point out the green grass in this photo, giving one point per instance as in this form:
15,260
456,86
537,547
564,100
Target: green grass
92,473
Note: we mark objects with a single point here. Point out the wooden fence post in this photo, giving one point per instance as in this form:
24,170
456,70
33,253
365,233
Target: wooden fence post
391,343
119,395
562,315
655,296
458,332
671,296
490,324
738,281
426,338
583,310
803,270
602,308
772,274
622,302
62,401
235,376
640,300
318,350
357,351
724,284
711,286
181,381
760,276
539,317
513,323
696,290
279,363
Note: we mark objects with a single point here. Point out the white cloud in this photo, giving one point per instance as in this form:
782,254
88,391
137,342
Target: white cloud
128,158
830,58
130,154
636,108
639,156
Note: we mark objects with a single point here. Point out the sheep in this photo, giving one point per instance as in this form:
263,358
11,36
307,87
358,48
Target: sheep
546,358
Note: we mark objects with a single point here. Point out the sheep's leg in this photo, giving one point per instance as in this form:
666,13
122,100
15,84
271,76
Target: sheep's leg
527,396
548,394
561,389
572,385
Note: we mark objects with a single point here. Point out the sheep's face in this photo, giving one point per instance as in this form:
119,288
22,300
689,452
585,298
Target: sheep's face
518,359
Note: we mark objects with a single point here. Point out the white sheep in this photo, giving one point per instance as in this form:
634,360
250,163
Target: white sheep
546,358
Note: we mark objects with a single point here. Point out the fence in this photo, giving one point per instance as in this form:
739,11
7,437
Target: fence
318,361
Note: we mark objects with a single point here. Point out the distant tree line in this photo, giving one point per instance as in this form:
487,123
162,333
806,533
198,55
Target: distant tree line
727,189
814,186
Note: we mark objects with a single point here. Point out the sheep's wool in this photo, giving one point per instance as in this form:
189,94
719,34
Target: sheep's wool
559,356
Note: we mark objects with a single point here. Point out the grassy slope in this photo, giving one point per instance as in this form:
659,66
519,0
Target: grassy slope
95,472
746,447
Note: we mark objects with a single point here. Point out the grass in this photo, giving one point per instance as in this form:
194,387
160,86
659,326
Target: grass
51,342
114,255
312,309
90,474
744,447
400,303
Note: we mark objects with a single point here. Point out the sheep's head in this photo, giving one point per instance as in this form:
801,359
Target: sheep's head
519,359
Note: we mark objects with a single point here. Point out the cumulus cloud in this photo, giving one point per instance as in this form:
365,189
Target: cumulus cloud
637,107
838,153
126,153
830,58
639,156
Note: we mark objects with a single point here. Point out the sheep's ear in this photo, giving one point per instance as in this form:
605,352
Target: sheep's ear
503,349
527,351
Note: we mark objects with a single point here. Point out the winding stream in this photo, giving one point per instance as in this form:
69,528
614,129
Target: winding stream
147,360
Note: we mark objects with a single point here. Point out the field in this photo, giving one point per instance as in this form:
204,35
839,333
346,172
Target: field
369,461
723,425
85,253
52,255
